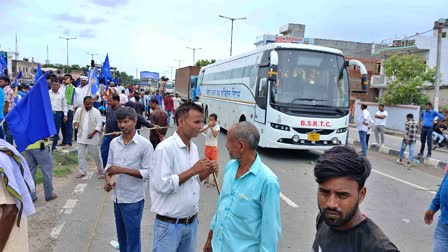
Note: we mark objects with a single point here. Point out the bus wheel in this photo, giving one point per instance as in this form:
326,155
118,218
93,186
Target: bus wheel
242,118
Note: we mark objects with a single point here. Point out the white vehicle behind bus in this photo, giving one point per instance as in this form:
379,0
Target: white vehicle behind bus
297,95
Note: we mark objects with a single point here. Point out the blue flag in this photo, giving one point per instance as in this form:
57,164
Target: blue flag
16,80
37,75
93,82
105,70
32,118
3,63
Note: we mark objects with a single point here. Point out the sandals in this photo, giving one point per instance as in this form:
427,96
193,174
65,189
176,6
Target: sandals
53,196
80,175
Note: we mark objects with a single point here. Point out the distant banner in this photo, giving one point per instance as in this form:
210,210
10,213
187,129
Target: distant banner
287,39
149,75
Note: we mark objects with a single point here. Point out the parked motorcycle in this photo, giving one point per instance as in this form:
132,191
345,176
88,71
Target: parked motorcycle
443,145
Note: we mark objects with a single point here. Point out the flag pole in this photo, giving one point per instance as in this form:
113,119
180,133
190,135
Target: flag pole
216,183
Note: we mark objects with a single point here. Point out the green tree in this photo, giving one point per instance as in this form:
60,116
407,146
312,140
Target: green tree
406,75
202,62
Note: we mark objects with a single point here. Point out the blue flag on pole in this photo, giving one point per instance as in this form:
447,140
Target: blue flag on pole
3,63
37,75
16,80
32,118
93,82
105,70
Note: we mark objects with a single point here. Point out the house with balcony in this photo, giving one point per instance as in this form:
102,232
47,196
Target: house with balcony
419,44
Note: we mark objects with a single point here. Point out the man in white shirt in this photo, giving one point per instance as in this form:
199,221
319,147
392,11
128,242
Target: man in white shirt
81,92
363,127
211,141
176,177
129,160
59,107
89,124
380,124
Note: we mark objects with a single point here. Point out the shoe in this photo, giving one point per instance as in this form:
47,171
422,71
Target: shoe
428,155
400,161
53,196
80,175
408,164
34,200
420,155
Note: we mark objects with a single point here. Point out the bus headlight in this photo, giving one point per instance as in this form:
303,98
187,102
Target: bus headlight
295,138
335,140
341,130
280,126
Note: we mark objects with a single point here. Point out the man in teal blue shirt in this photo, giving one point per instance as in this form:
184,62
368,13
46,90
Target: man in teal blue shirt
247,214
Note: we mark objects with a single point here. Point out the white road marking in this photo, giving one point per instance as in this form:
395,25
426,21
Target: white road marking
68,207
79,189
404,181
288,201
397,179
56,231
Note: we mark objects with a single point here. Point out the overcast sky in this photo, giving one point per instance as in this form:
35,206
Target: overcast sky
150,35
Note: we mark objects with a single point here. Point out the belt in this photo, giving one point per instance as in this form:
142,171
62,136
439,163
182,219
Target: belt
187,220
427,126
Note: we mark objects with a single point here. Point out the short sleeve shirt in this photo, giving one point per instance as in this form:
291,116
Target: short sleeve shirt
18,238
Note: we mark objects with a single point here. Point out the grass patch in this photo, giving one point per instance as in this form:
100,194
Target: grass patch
62,165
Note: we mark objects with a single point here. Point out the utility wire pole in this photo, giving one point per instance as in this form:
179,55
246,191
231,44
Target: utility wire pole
194,53
178,60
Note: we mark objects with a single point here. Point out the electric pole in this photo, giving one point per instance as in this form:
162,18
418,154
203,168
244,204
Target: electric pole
231,30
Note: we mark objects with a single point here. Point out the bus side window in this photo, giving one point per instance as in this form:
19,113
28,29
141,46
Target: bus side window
263,88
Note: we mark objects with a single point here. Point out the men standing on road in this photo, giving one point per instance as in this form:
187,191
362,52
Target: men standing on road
38,154
410,137
67,128
169,106
380,124
89,124
251,193
176,177
111,126
16,204
129,160
159,98
363,127
428,116
341,175
211,141
59,107
158,117
440,202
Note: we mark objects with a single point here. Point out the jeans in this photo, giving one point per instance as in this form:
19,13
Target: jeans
105,149
169,117
362,139
170,237
440,242
7,133
426,136
58,119
42,158
67,129
411,150
93,150
438,137
379,131
128,218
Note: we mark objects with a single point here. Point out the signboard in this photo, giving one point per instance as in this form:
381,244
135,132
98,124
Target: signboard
146,75
287,39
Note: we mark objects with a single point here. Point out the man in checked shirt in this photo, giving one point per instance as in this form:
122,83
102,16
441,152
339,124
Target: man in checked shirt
409,139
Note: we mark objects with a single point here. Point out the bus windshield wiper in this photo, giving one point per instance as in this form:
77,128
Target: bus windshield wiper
332,107
304,99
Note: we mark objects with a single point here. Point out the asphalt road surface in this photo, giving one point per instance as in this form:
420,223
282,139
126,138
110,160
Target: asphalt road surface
397,198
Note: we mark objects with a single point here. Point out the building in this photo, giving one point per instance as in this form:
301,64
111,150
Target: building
27,67
418,44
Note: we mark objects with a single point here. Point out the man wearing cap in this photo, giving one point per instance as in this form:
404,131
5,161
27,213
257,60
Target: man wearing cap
67,128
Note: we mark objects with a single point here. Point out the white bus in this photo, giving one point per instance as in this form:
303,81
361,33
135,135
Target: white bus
297,95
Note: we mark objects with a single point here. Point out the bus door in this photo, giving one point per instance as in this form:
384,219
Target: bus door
261,95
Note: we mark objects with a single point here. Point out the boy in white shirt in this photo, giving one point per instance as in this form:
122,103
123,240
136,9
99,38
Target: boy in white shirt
211,140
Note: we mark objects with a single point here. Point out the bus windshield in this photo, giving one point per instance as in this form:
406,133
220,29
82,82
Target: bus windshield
310,78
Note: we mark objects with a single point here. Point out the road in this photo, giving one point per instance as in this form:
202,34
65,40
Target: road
397,198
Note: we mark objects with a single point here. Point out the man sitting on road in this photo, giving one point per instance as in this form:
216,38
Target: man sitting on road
341,174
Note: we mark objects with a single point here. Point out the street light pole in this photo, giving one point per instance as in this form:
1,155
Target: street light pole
231,30
178,60
439,26
67,39
93,54
194,53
